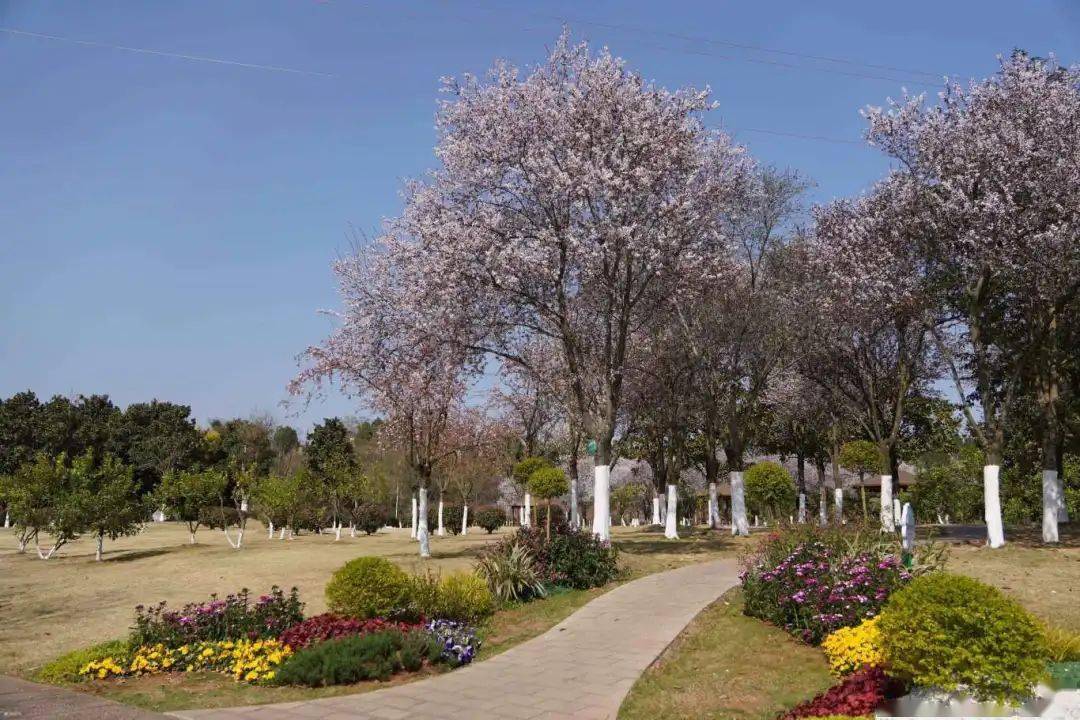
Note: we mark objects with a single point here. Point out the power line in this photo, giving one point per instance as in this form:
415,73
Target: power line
799,136
564,19
162,53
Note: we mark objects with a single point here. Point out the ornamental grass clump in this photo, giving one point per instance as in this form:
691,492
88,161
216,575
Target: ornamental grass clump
233,617
348,660
954,634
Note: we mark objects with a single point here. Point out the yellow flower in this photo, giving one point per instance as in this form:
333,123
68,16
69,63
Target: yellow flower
851,648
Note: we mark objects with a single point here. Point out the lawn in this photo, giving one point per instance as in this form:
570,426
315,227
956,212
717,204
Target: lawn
48,608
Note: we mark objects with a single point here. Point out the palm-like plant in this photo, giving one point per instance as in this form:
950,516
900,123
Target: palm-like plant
511,574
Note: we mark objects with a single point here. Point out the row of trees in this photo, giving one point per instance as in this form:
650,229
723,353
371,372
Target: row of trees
645,288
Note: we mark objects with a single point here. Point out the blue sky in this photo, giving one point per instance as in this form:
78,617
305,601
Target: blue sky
167,224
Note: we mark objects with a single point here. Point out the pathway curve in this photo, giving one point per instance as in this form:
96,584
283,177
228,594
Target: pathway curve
25,700
582,668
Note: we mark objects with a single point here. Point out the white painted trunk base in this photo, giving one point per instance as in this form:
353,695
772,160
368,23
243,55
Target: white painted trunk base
441,531
995,531
655,509
896,510
601,502
1052,503
739,525
271,526
714,506
526,517
100,548
421,526
907,528
838,504
887,522
575,512
671,530
412,533
464,519
802,507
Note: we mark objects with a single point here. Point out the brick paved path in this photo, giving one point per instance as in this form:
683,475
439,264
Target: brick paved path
24,700
581,668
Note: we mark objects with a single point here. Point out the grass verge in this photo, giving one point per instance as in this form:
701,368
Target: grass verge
727,665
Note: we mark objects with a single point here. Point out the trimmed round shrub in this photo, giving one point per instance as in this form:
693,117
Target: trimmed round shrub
369,518
491,519
950,632
370,587
524,469
465,597
770,490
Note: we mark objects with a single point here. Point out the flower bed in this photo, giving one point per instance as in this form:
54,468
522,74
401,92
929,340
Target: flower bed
247,660
813,582
329,626
459,642
234,617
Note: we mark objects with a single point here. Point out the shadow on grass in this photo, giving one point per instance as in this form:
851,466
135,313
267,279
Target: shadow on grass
1021,535
130,555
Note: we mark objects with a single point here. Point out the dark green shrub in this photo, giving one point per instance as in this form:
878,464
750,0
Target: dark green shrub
216,517
417,647
344,661
451,518
491,519
579,560
369,518
370,587
951,632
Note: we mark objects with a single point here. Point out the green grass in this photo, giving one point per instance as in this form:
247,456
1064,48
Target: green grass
727,665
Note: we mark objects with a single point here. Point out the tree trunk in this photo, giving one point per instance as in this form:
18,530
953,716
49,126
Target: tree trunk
886,504
421,526
739,524
412,534
547,523
441,532
802,507
526,517
271,524
7,519
838,504
281,533
862,496
671,529
714,506
601,525
464,519
800,484
337,530
100,547
1052,501
995,532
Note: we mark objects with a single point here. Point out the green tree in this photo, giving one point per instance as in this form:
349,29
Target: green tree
627,498
331,459
110,502
547,483
155,438
861,457
770,490
43,499
185,493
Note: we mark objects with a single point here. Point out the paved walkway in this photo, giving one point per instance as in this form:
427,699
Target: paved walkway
582,668
24,700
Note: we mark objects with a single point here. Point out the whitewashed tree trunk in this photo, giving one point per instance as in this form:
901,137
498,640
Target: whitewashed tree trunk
464,519
7,519
907,528
823,507
655,509
887,504
575,512
601,502
838,504
337,530
896,509
671,530
995,531
191,537
739,524
422,528
352,529
802,507
413,533
235,545
1052,503
100,548
271,524
281,533
714,506
527,513
46,555
663,508
441,531
1063,509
